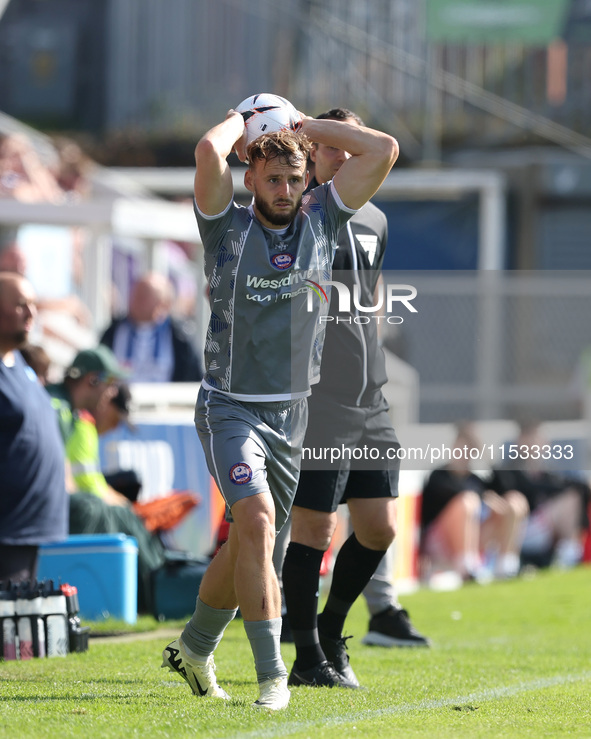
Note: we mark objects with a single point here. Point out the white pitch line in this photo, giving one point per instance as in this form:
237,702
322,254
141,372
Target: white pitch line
489,694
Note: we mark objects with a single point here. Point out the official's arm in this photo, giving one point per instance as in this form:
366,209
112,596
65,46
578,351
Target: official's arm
373,154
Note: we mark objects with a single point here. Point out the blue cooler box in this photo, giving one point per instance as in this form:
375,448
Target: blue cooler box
104,569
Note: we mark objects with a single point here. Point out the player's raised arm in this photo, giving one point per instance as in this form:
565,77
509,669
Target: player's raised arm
372,155
213,180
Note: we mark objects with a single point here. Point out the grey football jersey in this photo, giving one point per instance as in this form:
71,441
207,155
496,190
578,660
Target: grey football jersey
264,339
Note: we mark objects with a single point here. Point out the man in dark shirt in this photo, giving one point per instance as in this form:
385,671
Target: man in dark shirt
346,408
34,502
149,342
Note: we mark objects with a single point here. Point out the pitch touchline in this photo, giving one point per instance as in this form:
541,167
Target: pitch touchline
501,692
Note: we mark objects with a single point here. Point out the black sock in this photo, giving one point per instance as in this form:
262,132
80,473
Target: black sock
301,578
354,566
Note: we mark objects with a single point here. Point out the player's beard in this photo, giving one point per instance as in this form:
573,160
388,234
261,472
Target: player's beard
283,218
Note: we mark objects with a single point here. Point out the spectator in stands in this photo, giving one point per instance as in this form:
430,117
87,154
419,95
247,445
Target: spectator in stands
38,359
115,488
151,344
23,176
116,411
462,519
89,382
73,168
95,507
12,259
557,501
33,499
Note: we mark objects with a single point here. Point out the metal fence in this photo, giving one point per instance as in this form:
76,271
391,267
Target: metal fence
498,345
175,63
176,66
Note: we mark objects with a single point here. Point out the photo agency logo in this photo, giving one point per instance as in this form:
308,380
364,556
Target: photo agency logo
350,309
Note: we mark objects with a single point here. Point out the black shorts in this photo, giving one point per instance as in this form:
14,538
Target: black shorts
348,452
18,562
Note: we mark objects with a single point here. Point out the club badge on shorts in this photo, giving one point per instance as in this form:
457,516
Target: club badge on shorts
240,473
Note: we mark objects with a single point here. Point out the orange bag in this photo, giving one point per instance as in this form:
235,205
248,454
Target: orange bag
161,514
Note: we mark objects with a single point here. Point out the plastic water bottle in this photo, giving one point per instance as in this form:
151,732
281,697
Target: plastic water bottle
24,608
31,627
55,615
8,632
37,623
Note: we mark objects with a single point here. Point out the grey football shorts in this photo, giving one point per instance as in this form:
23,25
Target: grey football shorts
252,448
349,452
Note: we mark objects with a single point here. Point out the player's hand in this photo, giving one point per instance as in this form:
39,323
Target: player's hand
240,148
240,145
303,117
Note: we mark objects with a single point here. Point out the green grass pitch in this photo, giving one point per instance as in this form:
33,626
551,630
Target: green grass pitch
508,659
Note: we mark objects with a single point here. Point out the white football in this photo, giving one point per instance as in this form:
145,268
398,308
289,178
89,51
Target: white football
267,113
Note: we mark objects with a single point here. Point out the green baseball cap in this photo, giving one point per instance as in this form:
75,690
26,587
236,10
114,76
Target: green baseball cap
101,359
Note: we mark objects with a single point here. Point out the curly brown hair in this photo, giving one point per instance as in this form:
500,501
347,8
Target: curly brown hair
292,148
